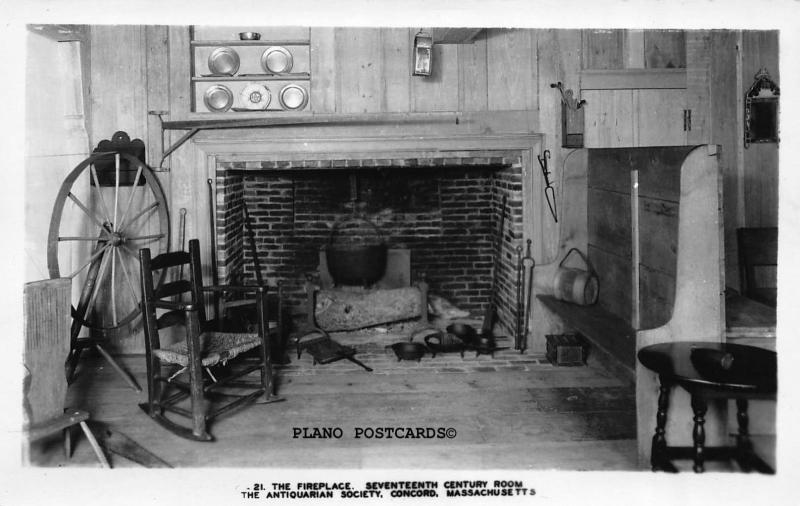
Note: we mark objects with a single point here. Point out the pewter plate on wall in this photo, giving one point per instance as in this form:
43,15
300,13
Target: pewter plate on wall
218,98
293,97
277,60
223,61
255,97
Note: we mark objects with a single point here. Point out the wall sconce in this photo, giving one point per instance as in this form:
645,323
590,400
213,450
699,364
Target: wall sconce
761,110
423,53
571,118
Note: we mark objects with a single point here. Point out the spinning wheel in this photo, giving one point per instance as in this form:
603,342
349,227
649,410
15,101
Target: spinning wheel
108,207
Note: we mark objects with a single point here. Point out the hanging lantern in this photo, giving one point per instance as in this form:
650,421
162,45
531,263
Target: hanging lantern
423,53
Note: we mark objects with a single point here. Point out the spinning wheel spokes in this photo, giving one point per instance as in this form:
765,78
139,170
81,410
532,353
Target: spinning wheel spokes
101,211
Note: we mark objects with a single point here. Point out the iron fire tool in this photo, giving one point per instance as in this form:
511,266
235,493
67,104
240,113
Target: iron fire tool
491,307
183,234
549,192
520,297
531,263
213,224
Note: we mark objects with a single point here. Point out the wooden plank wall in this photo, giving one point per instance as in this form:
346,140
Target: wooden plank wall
499,82
609,230
368,70
56,137
760,50
493,82
712,59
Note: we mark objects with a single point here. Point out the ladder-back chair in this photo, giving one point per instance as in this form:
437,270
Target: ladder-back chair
215,363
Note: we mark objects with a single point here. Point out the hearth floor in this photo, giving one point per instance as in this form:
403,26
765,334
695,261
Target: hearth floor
375,354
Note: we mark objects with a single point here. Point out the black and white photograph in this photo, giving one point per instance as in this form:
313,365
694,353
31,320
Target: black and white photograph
427,252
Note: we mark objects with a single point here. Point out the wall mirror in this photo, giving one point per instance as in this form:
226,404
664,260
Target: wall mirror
761,110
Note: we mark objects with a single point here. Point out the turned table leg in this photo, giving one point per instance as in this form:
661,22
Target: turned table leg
699,407
743,438
658,448
744,447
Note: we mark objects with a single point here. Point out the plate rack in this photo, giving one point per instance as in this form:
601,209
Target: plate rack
268,76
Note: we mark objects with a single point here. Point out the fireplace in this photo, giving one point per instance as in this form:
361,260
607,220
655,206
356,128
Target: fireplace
443,207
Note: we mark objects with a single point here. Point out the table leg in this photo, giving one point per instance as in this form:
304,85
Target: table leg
744,447
743,438
699,407
658,448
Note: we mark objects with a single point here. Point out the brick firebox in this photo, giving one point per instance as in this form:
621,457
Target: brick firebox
445,211
441,204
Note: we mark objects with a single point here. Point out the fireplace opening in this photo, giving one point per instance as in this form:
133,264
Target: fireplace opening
444,214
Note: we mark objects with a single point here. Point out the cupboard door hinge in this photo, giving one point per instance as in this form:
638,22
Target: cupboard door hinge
687,120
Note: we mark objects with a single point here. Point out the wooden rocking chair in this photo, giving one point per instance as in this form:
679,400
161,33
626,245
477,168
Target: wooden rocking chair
215,362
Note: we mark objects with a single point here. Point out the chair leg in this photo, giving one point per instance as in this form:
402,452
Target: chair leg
95,446
196,377
68,442
198,402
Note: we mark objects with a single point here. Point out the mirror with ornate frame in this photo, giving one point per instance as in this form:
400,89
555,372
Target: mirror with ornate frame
761,110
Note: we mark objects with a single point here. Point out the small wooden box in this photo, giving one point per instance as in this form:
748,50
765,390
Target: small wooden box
567,349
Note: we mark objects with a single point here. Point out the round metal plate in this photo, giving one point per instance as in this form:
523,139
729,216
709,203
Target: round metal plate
223,61
293,97
255,96
218,98
277,60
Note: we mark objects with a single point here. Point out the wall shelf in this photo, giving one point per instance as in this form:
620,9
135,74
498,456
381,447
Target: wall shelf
290,119
252,74
256,77
215,43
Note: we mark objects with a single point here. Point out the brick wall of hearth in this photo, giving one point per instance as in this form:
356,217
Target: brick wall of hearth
444,210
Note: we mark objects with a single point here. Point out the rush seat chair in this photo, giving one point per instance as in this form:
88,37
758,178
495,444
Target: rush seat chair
205,366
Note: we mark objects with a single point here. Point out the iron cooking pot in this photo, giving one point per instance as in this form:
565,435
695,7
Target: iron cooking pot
356,261
444,343
462,331
407,350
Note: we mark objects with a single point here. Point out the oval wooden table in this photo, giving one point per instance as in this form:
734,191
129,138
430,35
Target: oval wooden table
709,370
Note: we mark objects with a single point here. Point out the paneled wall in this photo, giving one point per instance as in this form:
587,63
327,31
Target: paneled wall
498,83
720,67
56,137
368,70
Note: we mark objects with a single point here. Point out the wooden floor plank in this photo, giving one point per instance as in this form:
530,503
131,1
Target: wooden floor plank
508,412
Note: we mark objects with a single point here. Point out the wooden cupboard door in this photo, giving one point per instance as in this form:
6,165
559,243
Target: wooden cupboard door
661,118
608,118
634,118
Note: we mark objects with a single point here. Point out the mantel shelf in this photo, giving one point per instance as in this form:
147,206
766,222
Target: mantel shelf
195,125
